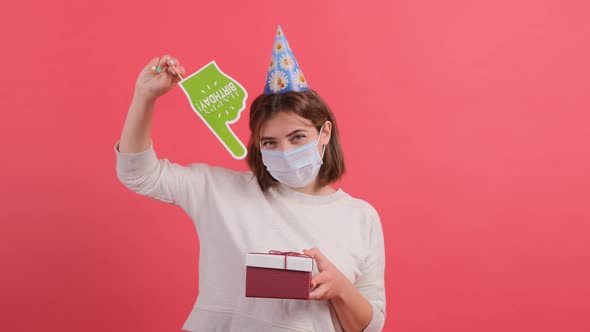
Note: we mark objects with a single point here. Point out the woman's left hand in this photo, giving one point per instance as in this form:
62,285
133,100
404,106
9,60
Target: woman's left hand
330,282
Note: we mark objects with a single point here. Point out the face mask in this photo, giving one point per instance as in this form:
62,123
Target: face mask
296,168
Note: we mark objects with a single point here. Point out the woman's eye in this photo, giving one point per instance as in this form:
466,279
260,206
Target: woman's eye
267,143
297,138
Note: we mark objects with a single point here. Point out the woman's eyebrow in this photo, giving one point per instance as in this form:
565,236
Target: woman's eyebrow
290,134
296,131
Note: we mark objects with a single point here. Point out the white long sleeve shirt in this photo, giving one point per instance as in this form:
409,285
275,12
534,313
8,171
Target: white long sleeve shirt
233,216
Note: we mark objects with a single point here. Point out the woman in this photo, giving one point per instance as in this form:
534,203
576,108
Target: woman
284,203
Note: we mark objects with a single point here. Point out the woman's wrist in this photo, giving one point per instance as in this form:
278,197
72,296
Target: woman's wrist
143,97
346,293
353,309
143,102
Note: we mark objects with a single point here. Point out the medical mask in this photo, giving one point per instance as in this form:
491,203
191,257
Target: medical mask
296,168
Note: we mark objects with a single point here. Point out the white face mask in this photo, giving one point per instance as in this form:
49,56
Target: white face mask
296,168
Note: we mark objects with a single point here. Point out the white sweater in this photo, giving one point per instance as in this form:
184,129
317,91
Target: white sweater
233,216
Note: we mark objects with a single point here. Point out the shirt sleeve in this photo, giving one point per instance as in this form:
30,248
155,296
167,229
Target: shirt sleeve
144,173
371,282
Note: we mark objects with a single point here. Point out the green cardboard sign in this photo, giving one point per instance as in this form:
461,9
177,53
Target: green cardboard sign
218,100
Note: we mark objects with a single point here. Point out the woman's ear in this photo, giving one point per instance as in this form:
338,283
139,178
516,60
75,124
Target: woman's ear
326,133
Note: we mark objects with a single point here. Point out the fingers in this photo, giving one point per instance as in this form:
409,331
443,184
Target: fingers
180,70
320,259
315,253
153,62
318,293
168,65
162,64
174,67
173,61
151,66
319,279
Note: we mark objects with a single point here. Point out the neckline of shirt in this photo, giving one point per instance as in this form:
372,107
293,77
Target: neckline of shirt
287,192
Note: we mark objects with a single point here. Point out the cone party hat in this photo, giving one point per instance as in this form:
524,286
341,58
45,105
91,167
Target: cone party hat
284,73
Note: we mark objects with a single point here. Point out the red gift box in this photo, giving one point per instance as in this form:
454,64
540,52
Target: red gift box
276,274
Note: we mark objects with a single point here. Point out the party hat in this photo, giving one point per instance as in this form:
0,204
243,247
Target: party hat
284,73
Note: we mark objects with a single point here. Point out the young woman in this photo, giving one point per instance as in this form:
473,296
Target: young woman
285,203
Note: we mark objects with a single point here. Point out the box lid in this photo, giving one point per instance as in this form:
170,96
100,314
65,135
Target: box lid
277,260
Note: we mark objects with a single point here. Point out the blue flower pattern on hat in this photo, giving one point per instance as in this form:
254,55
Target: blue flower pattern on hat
284,73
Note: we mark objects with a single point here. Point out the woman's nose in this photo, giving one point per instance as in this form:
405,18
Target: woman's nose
284,147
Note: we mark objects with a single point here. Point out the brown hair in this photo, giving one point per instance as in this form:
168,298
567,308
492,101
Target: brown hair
308,105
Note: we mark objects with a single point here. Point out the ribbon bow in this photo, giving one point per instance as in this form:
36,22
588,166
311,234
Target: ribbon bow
290,253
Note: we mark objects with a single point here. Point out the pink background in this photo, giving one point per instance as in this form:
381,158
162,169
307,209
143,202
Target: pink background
465,123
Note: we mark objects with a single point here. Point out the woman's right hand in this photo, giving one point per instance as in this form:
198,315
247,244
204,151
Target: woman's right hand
158,77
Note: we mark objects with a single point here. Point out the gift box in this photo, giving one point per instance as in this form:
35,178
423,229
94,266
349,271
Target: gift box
276,274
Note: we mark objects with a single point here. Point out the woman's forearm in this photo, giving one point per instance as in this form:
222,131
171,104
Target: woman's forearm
353,310
156,79
136,135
